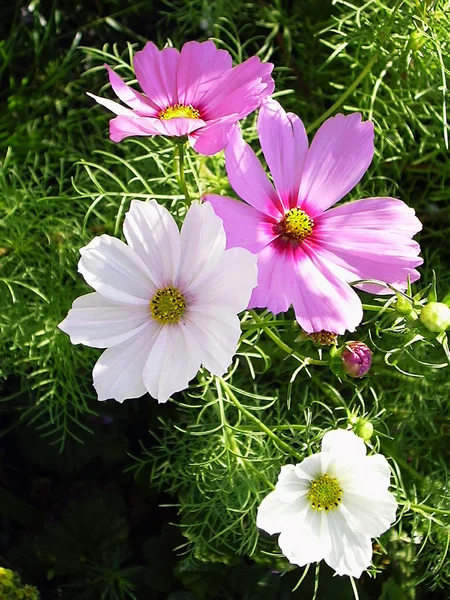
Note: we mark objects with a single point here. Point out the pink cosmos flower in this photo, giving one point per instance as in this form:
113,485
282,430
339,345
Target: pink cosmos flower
194,93
308,254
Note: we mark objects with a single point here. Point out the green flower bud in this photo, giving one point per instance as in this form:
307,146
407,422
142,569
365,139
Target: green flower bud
364,429
403,306
435,316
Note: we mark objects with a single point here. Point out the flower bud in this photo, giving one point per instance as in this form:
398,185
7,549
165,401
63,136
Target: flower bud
435,316
403,305
363,429
356,358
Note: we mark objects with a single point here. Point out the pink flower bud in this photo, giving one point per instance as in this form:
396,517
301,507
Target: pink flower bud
356,359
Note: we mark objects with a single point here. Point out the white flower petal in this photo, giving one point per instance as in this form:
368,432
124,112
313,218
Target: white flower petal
98,322
274,516
118,372
202,245
232,282
152,233
172,362
302,544
350,552
346,444
368,515
310,468
113,269
291,487
217,336
369,477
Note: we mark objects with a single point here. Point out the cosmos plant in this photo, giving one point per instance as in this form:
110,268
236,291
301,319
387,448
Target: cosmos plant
173,306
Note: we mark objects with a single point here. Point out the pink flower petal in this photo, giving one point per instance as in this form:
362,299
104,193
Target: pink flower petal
300,277
238,91
125,126
151,231
284,143
156,72
118,372
178,126
340,154
321,300
98,322
212,138
127,94
172,362
199,66
275,289
247,177
245,226
384,214
370,239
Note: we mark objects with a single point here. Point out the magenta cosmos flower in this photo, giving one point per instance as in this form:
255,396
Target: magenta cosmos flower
307,254
195,93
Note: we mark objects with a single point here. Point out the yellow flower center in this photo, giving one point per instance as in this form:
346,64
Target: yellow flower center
296,225
323,338
167,305
179,110
325,493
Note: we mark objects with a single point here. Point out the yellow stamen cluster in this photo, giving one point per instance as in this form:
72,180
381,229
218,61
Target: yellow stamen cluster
325,493
296,225
323,338
167,305
179,110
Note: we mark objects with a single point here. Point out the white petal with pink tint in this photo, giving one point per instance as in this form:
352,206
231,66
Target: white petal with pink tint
145,350
113,269
172,362
96,321
118,372
152,233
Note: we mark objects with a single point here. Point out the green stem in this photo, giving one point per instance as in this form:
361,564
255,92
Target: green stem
273,336
181,177
427,509
345,95
377,308
229,438
279,442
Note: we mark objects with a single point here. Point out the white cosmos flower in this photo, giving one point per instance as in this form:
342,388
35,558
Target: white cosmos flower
330,505
164,304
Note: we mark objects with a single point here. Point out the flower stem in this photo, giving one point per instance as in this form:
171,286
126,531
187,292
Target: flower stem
273,336
278,441
345,95
181,177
